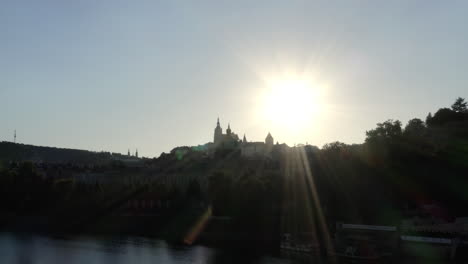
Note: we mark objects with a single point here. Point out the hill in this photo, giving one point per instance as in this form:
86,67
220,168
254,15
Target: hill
10,151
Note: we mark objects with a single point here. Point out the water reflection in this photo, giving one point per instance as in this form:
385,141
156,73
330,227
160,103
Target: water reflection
34,249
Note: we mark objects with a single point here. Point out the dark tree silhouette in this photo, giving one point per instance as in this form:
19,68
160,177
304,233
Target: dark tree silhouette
444,116
387,130
415,127
334,146
460,105
428,119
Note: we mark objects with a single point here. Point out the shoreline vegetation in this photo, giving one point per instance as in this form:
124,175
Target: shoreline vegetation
218,197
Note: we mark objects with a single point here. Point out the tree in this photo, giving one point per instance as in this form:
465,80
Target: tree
387,130
460,105
444,116
415,127
334,146
428,119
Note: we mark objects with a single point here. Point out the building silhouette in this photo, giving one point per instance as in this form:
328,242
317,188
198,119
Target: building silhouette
230,140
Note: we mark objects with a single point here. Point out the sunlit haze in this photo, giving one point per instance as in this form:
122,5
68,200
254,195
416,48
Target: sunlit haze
153,75
291,104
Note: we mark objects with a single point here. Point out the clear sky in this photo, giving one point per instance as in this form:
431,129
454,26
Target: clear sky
112,75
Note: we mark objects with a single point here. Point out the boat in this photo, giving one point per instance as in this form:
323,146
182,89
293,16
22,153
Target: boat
289,244
361,255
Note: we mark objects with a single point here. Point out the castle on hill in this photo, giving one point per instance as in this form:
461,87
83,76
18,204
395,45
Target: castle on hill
230,140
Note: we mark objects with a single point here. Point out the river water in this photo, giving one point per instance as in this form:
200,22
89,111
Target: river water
35,249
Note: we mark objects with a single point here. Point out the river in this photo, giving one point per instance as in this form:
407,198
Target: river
35,249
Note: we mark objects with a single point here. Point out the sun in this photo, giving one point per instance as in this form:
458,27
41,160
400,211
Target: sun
292,103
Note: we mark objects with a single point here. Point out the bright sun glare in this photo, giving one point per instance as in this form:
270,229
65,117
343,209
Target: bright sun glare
292,103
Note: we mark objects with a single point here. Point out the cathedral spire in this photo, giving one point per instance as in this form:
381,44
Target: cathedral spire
244,140
218,134
228,130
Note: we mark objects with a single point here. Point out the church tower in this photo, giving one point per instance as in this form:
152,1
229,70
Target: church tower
218,133
269,140
228,130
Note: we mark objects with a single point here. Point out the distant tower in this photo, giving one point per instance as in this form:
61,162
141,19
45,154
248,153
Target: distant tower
128,153
244,140
228,130
269,140
136,153
218,134
14,140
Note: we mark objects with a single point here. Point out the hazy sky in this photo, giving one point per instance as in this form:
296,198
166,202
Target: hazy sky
112,75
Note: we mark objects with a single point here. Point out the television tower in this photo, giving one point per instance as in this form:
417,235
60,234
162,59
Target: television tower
14,141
